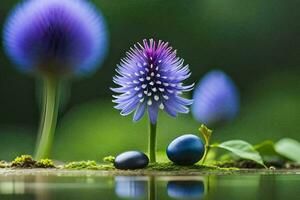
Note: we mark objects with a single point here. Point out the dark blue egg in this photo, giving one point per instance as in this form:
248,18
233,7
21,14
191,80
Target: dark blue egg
131,160
185,189
186,150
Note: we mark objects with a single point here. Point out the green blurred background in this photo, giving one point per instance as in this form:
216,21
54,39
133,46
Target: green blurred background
256,42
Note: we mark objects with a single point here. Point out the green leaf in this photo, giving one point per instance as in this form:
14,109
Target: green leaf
289,148
241,149
267,150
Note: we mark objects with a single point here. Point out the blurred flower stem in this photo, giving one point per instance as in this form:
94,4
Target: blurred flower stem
152,142
49,116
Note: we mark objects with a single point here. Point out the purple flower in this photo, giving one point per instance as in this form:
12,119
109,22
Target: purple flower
216,99
150,78
60,36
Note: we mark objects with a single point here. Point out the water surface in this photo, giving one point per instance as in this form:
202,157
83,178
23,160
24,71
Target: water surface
223,187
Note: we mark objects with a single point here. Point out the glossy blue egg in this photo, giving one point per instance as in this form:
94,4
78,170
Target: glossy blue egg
131,160
186,150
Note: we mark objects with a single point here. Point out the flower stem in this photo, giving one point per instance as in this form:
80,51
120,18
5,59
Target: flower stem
48,117
152,143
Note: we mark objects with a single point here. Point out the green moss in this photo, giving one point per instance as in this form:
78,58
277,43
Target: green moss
90,165
4,164
45,163
161,167
169,166
103,167
109,159
24,161
81,165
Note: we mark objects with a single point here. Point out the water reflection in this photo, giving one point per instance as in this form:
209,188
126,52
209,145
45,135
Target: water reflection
186,189
125,187
12,186
130,187
178,188
213,187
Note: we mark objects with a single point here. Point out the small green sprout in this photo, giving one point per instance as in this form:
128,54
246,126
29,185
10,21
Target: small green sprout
206,134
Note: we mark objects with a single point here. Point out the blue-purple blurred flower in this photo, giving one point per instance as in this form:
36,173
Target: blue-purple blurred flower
216,99
150,78
54,39
60,36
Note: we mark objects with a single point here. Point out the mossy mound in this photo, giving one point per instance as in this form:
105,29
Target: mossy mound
4,164
26,161
109,159
159,167
45,163
92,165
169,166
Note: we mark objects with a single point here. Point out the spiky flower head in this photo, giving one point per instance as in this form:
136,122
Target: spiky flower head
216,99
150,78
59,36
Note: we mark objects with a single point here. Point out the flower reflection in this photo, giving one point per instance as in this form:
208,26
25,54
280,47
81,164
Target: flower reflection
183,189
130,187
